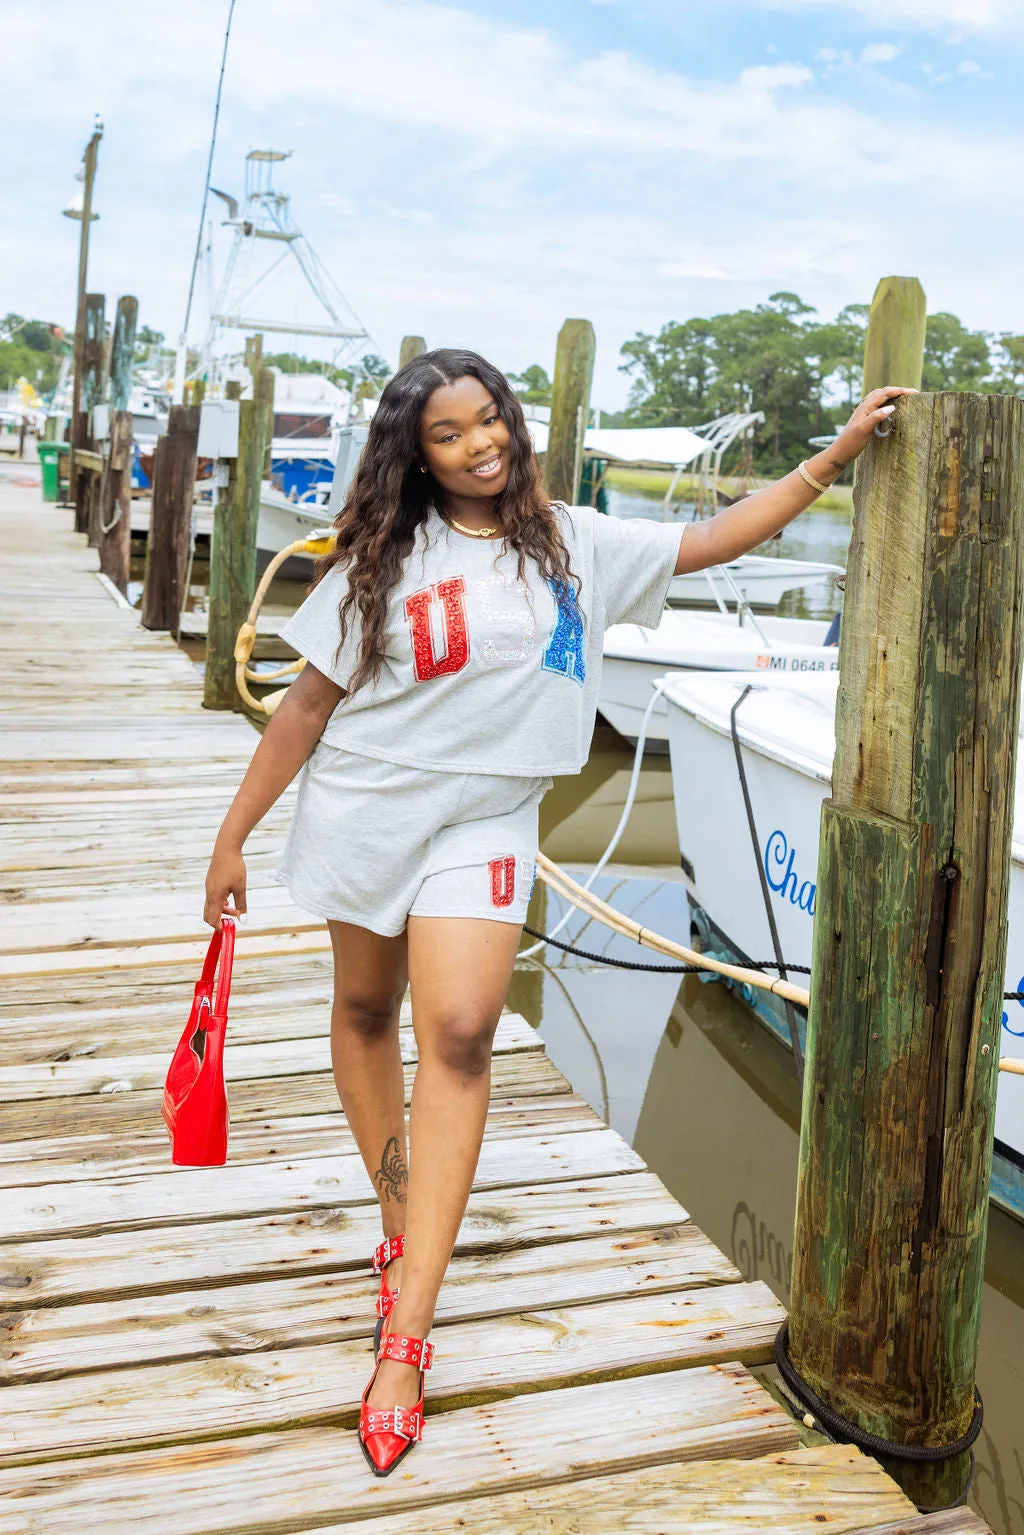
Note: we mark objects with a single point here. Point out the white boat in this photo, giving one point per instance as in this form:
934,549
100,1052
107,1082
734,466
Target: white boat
786,729
634,658
284,519
761,581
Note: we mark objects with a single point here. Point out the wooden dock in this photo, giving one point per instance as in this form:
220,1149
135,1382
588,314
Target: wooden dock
183,1351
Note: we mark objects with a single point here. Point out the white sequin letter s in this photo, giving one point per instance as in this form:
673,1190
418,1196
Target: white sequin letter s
511,630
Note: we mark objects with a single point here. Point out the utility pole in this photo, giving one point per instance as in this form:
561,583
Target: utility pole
86,215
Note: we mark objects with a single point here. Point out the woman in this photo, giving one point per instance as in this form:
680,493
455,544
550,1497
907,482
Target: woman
453,642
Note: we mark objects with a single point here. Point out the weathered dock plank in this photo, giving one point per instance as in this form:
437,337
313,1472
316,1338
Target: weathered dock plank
326,1239
793,1493
52,1341
97,1072
74,1158
288,1481
218,1193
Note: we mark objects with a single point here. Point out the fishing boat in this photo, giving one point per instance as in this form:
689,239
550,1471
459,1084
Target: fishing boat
309,412
635,658
761,579
785,726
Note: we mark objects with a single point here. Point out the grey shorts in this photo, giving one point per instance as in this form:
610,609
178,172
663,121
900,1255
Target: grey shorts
374,842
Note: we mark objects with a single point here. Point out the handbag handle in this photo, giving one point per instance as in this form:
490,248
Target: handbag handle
222,949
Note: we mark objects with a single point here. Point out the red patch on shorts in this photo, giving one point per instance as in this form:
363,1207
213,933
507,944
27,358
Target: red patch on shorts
503,881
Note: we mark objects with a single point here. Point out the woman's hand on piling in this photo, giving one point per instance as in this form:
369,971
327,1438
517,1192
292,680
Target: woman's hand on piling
876,407
225,881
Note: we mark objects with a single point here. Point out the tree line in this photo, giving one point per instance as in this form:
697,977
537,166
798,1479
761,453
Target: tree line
779,358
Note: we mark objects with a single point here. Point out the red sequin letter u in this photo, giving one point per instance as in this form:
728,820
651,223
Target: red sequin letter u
503,881
417,611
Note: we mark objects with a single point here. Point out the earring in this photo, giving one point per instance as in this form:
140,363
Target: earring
423,469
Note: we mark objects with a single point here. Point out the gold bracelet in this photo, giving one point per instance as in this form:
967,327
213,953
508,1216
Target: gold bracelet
805,474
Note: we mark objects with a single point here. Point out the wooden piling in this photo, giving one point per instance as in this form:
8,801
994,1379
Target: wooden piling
894,346
113,503
910,932
412,346
122,351
233,546
85,486
570,407
170,523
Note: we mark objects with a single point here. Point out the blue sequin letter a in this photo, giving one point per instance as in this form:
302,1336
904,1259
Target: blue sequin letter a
567,652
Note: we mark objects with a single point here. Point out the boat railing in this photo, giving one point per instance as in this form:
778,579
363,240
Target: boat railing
742,605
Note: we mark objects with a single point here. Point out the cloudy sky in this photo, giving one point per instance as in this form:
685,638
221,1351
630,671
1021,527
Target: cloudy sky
475,173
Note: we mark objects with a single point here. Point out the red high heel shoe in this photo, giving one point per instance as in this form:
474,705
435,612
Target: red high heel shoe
387,1251
388,1434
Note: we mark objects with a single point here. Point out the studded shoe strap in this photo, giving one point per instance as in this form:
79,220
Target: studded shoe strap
388,1250
415,1351
405,1422
386,1301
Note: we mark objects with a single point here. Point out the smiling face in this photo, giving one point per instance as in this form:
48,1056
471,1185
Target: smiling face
464,441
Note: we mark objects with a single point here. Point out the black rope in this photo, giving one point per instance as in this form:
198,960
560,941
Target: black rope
794,1033
872,1444
629,964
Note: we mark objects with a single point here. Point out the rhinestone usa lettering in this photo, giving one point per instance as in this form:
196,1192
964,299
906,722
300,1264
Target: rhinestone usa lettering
505,606
417,610
567,652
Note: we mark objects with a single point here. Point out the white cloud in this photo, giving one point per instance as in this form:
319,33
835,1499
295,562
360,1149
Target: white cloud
879,53
969,67
774,77
971,16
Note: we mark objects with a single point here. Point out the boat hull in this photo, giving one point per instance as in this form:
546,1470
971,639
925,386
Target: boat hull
786,792
635,658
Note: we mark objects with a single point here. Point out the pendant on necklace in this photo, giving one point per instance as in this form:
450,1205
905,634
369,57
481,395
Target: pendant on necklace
472,532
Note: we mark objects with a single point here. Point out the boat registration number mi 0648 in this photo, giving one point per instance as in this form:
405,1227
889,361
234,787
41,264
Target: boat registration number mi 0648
784,663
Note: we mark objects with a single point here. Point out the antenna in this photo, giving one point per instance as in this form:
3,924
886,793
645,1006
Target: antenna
266,238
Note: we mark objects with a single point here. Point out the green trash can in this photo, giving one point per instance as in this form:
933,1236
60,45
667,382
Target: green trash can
50,454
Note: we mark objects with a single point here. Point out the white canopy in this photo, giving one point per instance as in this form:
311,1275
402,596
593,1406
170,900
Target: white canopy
672,446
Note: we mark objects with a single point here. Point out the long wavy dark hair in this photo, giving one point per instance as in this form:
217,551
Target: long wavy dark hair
390,497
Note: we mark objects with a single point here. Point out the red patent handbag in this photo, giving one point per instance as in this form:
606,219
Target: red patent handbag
195,1103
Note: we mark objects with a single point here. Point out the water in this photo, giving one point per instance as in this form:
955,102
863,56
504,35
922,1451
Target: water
818,535
690,1078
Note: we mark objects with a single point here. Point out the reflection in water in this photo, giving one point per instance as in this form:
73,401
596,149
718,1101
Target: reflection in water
706,1095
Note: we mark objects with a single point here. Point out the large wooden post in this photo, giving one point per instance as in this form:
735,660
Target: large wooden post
910,932
894,346
570,408
114,506
122,351
233,551
412,346
85,487
170,521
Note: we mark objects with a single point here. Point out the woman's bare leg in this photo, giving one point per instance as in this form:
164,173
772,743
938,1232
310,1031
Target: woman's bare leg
460,969
370,979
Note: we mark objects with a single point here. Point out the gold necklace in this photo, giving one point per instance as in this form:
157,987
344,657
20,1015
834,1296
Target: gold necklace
470,532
